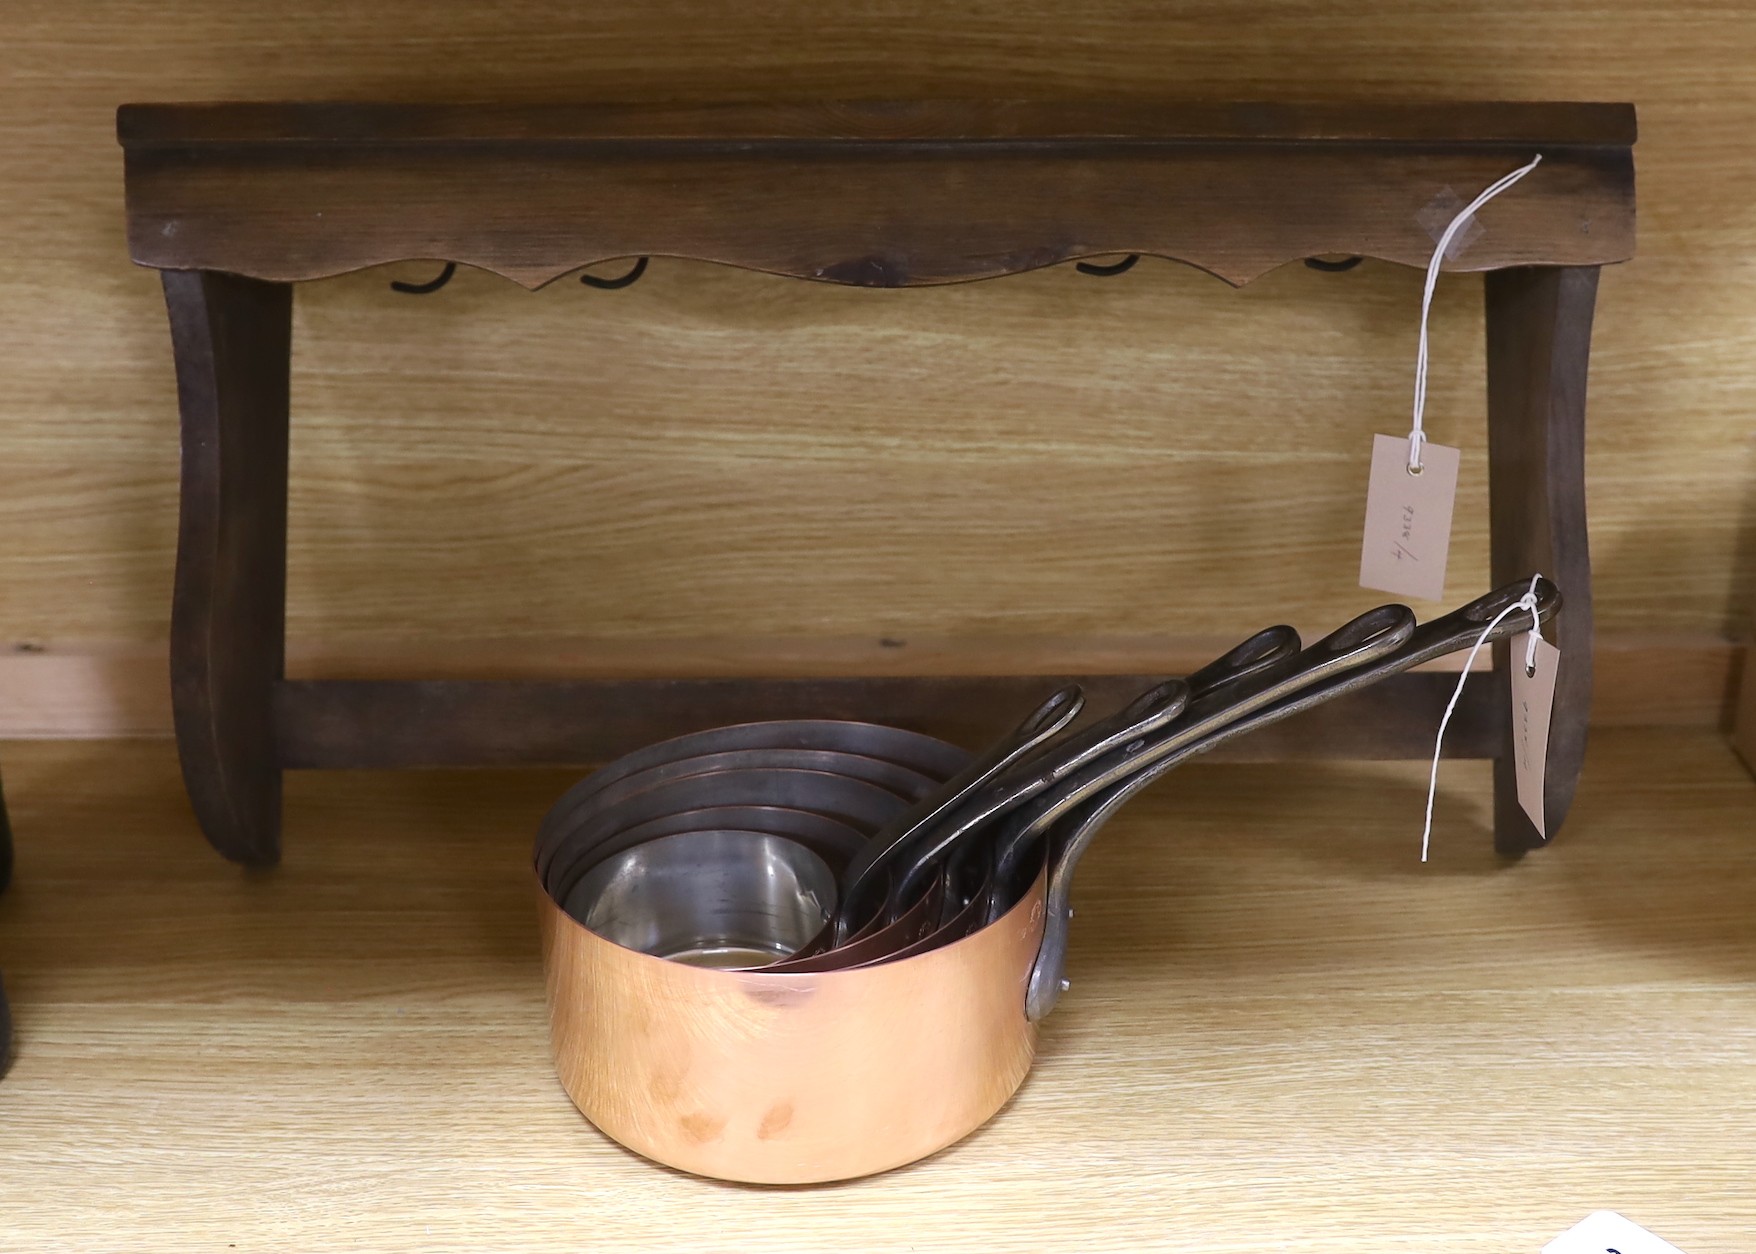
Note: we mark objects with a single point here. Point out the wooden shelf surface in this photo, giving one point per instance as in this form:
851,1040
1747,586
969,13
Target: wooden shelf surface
1283,1032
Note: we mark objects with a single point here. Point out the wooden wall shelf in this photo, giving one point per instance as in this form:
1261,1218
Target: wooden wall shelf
235,203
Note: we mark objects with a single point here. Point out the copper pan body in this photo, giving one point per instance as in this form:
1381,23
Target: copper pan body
792,1077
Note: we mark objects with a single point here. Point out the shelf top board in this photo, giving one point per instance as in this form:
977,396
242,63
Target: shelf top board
874,193
901,121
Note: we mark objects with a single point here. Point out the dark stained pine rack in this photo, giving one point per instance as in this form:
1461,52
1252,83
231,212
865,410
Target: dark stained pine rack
235,203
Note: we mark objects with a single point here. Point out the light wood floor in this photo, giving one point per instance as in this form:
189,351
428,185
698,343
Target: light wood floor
1284,1033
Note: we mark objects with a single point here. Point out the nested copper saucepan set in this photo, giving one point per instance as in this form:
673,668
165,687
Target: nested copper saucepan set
802,951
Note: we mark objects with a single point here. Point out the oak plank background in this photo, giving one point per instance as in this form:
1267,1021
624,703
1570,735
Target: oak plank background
720,456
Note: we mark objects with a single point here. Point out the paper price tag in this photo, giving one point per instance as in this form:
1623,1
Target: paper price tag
1533,700
1606,1232
1408,519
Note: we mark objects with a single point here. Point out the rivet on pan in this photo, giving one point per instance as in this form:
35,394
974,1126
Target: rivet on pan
1069,912
1066,984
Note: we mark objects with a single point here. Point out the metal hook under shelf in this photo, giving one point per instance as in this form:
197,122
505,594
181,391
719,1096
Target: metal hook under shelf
611,285
432,285
1103,271
1339,266
444,276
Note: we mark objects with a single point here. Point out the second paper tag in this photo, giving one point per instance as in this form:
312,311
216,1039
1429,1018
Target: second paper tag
1533,702
1408,519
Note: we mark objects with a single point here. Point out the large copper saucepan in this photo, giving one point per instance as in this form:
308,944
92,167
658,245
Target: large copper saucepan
780,1076
791,1078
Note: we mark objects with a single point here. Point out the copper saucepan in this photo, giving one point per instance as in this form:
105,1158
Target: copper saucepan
672,1059
791,1077
801,1076
682,1086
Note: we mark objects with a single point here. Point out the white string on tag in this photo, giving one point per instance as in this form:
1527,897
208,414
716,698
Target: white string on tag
1416,435
1530,645
1527,603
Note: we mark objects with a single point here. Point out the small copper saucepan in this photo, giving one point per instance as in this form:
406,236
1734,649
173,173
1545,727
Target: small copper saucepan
797,1076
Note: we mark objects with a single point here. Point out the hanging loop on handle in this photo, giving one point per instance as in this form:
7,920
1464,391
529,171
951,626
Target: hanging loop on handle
1529,604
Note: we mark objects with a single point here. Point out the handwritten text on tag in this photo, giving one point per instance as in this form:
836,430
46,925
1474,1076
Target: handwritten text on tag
1533,700
1606,1232
1408,519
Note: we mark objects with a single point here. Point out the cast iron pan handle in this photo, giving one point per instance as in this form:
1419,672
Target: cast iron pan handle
1268,647
1369,636
1457,630
868,872
1138,724
1152,710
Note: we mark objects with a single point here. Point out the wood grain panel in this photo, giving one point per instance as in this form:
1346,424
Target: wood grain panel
1283,1032
756,476
719,454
